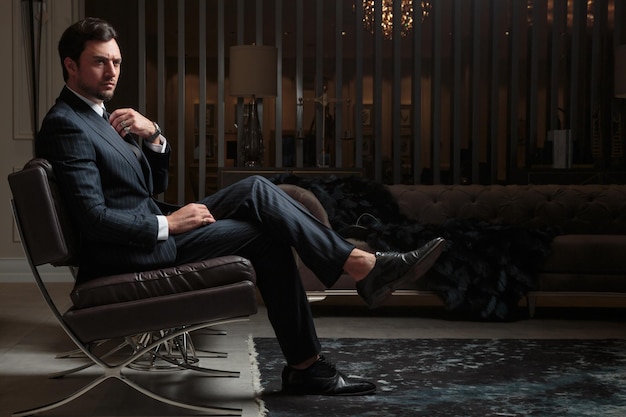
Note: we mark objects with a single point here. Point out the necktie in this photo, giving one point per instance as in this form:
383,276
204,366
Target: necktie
133,145
130,141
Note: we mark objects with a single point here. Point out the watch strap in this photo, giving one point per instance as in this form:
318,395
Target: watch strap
156,133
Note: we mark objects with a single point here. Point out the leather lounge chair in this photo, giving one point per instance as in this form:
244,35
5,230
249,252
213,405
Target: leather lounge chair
146,310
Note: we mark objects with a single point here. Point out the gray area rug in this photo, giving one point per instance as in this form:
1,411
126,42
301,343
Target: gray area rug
451,377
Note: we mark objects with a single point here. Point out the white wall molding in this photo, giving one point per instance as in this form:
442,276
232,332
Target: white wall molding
22,124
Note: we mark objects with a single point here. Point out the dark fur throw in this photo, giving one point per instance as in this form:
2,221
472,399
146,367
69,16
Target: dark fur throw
484,270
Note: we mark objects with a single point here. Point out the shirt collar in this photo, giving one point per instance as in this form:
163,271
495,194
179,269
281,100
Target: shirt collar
99,109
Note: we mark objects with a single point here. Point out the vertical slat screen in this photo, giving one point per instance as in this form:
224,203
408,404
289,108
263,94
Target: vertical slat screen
202,72
535,24
555,60
455,117
594,117
494,89
618,23
416,95
221,78
517,12
241,23
395,93
299,83
358,87
475,92
258,40
278,13
435,138
338,151
180,59
160,79
141,41
319,79
579,26
378,93
488,80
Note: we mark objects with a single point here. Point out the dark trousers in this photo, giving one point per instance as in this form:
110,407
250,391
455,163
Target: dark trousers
257,220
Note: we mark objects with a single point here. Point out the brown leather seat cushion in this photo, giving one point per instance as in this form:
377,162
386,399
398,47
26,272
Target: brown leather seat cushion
168,311
114,289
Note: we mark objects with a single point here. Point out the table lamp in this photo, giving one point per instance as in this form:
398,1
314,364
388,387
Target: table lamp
252,74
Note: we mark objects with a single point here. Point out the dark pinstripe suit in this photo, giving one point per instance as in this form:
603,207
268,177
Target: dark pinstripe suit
109,191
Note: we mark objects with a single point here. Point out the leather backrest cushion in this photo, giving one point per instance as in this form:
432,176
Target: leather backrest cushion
48,233
584,209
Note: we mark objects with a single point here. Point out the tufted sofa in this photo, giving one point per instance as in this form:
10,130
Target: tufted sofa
587,258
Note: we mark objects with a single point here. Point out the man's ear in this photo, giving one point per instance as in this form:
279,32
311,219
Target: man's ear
70,65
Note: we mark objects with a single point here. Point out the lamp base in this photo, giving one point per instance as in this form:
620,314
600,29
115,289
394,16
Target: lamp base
324,160
251,141
252,164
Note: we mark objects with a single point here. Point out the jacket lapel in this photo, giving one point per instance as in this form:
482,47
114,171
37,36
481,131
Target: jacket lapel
103,129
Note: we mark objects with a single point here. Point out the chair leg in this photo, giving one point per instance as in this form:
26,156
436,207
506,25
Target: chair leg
51,406
213,411
179,353
211,353
201,369
190,348
61,374
115,371
76,353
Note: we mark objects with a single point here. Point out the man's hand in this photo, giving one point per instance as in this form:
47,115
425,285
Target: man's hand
127,121
189,217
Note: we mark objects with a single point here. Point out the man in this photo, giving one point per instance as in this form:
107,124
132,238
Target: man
108,183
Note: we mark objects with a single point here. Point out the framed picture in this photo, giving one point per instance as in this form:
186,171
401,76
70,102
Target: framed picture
210,116
368,145
406,116
406,146
210,146
367,115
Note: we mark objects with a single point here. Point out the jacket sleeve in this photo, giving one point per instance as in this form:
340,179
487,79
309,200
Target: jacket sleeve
159,165
97,183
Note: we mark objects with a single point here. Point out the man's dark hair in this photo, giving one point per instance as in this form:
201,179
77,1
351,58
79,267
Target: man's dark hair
72,42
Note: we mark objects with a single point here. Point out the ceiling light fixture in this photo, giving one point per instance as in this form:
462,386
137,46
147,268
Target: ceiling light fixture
406,16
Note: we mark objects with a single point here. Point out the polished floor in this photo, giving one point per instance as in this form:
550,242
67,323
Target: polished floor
30,339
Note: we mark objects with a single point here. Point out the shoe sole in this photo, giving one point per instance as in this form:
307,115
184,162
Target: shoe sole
414,274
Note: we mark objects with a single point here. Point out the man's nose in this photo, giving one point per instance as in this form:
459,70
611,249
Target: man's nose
111,69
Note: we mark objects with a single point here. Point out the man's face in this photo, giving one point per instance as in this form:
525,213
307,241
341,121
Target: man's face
96,73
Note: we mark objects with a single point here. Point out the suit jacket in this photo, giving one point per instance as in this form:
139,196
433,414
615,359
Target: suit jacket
108,190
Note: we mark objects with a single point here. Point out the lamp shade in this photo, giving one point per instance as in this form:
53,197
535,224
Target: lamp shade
620,71
253,70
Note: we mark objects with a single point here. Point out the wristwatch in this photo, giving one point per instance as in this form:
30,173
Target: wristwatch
156,133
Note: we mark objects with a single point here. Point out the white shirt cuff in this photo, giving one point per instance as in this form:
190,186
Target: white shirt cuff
158,147
164,230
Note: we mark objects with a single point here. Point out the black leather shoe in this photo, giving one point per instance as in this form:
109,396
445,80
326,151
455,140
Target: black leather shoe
322,378
393,270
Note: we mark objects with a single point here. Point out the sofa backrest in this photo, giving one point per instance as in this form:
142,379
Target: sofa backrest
584,209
